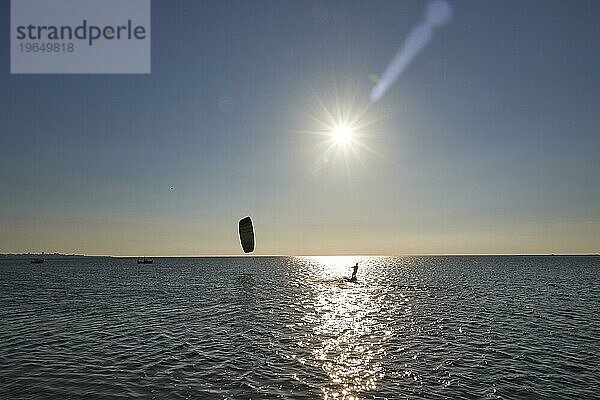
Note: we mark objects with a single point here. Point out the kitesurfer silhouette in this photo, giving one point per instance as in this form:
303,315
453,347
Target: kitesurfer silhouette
353,279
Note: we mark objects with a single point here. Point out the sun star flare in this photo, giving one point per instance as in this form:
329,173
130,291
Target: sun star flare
342,134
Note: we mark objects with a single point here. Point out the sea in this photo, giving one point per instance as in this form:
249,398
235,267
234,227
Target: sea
423,327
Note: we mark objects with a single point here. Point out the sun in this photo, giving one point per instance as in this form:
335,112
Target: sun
345,126
342,134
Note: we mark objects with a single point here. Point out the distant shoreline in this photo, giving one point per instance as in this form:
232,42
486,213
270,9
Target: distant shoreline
59,256
53,256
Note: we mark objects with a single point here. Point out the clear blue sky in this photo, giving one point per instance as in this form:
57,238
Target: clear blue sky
488,143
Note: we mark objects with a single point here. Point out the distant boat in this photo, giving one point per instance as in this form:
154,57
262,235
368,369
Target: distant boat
145,261
37,260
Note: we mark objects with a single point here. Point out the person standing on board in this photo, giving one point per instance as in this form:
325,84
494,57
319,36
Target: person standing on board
354,272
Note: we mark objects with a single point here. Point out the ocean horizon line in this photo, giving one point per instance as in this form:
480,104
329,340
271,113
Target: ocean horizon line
64,255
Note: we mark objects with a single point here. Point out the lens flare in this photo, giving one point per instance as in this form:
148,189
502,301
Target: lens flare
437,13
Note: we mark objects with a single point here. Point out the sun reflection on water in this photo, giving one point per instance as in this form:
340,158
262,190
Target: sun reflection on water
349,339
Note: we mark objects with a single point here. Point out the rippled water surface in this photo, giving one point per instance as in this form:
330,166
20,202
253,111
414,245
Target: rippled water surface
293,327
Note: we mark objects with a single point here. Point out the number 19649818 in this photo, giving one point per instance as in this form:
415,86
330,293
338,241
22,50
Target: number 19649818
47,47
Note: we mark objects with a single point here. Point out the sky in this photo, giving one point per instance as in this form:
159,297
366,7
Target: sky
487,143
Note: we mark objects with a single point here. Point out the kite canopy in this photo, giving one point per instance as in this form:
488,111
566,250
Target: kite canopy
246,234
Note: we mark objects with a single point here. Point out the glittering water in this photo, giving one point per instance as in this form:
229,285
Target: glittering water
414,327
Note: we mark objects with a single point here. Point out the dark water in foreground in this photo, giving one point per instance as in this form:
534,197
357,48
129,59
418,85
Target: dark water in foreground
415,327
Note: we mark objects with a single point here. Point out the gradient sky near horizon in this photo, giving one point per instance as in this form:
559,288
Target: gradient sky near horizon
488,143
